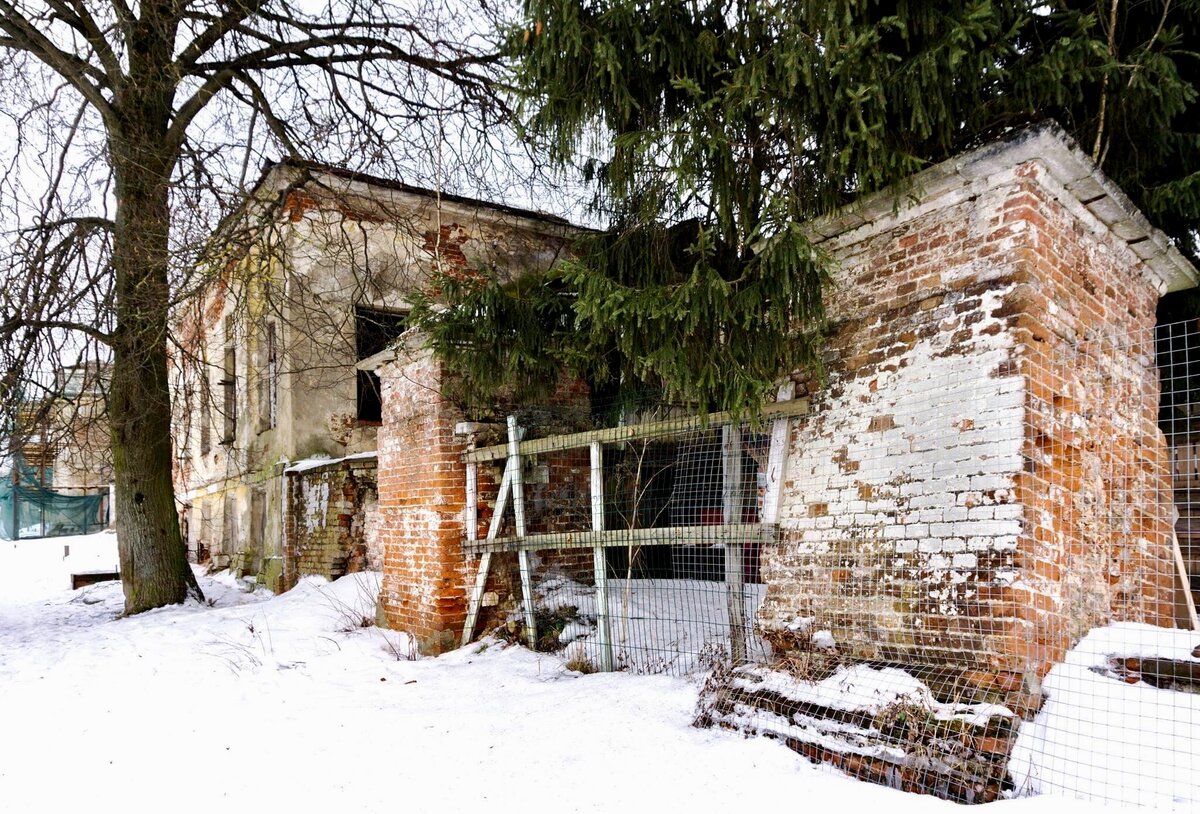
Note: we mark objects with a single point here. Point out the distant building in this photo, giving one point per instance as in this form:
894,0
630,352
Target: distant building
60,470
83,452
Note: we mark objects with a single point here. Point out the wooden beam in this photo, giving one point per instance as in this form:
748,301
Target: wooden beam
651,429
1185,583
600,561
481,575
501,502
518,492
485,562
777,458
672,535
731,504
471,516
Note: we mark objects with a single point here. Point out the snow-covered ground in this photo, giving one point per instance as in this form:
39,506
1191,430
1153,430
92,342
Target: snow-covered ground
1101,738
34,568
256,702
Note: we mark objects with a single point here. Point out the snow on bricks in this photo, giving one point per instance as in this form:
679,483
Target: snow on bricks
330,529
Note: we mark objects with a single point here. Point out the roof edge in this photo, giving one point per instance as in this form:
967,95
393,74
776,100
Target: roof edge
1066,163
353,176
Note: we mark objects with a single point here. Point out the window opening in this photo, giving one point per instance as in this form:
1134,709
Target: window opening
374,330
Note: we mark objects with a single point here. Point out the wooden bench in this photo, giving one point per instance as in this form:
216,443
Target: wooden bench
85,578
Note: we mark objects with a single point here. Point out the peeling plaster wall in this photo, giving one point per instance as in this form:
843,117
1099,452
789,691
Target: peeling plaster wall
367,245
331,520
899,505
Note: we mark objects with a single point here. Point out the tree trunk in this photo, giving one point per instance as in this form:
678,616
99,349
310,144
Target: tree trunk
154,567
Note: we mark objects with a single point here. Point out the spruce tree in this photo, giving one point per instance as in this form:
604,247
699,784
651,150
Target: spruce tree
713,131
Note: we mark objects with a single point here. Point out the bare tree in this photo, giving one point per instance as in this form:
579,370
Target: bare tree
130,124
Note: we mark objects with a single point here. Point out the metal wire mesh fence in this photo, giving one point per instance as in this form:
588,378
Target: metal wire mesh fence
967,576
641,544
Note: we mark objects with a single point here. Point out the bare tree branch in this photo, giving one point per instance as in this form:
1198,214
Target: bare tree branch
84,77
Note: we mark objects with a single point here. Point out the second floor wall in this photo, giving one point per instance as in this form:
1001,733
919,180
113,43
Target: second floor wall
265,369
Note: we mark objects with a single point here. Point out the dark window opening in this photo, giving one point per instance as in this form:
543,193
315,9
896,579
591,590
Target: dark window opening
268,381
374,330
229,385
229,392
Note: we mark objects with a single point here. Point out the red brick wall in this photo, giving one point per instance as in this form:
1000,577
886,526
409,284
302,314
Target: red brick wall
422,498
422,488
982,478
1096,485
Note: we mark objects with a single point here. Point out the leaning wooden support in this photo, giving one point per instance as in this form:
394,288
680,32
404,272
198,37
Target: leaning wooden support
731,500
485,561
485,565
518,492
599,560
1185,583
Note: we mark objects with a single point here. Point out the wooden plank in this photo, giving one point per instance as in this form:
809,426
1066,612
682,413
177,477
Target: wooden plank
501,502
1164,672
485,562
1185,586
471,516
518,491
760,533
485,565
86,578
652,429
777,458
731,505
600,560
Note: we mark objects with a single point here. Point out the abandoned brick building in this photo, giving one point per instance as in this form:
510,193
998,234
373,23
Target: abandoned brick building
275,427
983,474
980,479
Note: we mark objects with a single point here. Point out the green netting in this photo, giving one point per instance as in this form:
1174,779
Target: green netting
43,512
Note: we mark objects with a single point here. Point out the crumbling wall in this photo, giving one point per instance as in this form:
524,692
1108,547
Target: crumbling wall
422,496
1096,488
343,241
899,519
981,479
329,517
422,500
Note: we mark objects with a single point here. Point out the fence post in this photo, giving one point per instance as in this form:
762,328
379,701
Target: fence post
731,500
599,559
471,518
777,457
16,496
518,492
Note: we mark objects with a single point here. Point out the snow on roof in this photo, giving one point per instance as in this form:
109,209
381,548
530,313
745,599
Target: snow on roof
318,461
